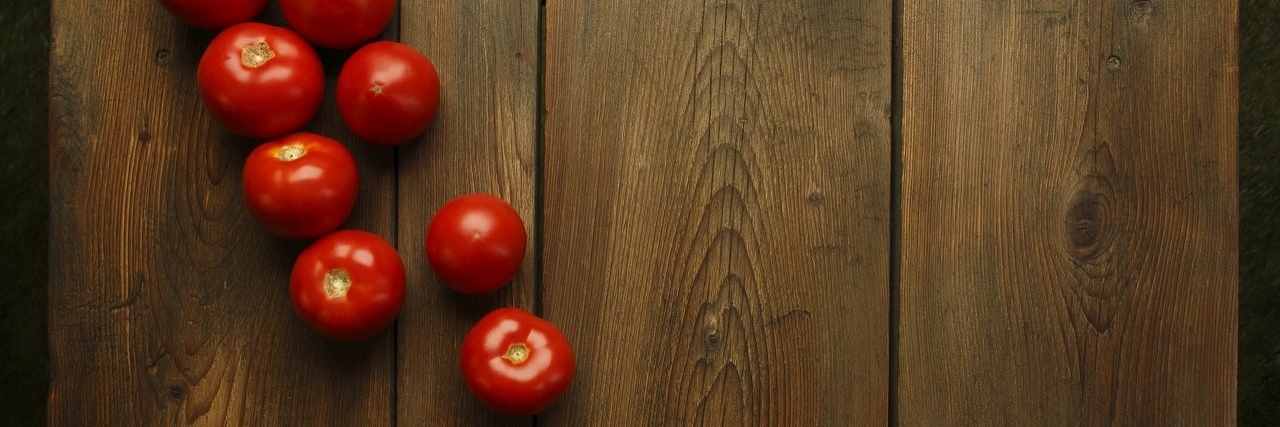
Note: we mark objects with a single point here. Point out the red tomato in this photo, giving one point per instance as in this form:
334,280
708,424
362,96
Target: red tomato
475,243
388,93
213,14
338,24
516,363
301,186
260,81
348,285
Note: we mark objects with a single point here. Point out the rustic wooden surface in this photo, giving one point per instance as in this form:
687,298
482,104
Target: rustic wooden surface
169,305
716,219
484,139
716,210
1069,219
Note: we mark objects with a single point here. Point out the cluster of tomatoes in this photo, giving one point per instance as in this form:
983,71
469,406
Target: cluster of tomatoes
266,82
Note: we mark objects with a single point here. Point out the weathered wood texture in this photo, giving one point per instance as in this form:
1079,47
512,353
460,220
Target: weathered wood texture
1069,220
168,304
707,186
482,140
716,221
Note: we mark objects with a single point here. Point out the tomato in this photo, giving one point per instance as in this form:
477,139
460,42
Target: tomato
338,24
516,363
300,186
388,93
213,14
349,285
260,81
475,243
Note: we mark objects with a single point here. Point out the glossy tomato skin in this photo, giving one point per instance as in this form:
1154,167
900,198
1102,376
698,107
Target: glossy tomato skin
300,186
348,285
516,363
475,243
338,24
260,81
388,93
213,14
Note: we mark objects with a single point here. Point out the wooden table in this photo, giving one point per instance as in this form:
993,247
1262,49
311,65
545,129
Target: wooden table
763,213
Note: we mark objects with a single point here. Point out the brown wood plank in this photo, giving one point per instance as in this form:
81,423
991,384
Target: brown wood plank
168,302
483,139
1069,219
717,188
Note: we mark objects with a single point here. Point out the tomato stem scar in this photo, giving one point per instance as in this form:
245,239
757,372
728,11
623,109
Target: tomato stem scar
291,153
336,283
376,89
517,353
253,55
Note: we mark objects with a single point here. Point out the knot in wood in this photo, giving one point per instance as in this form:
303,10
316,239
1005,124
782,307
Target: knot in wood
713,338
815,198
162,57
1113,63
1140,9
175,392
1084,220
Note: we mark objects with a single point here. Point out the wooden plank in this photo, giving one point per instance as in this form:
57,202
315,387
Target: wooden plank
483,139
716,221
1069,219
168,302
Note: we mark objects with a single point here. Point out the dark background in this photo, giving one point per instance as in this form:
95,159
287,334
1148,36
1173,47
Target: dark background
24,59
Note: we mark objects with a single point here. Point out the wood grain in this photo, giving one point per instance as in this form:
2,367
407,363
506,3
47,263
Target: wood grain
168,302
1069,220
708,200
716,210
483,139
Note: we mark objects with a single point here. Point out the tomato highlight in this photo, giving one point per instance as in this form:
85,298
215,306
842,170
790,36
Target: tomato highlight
213,14
475,243
516,363
348,285
300,186
260,81
388,93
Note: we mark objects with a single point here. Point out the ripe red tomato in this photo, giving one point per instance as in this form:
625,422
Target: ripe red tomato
475,243
260,81
213,14
348,285
516,363
338,24
301,186
388,93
